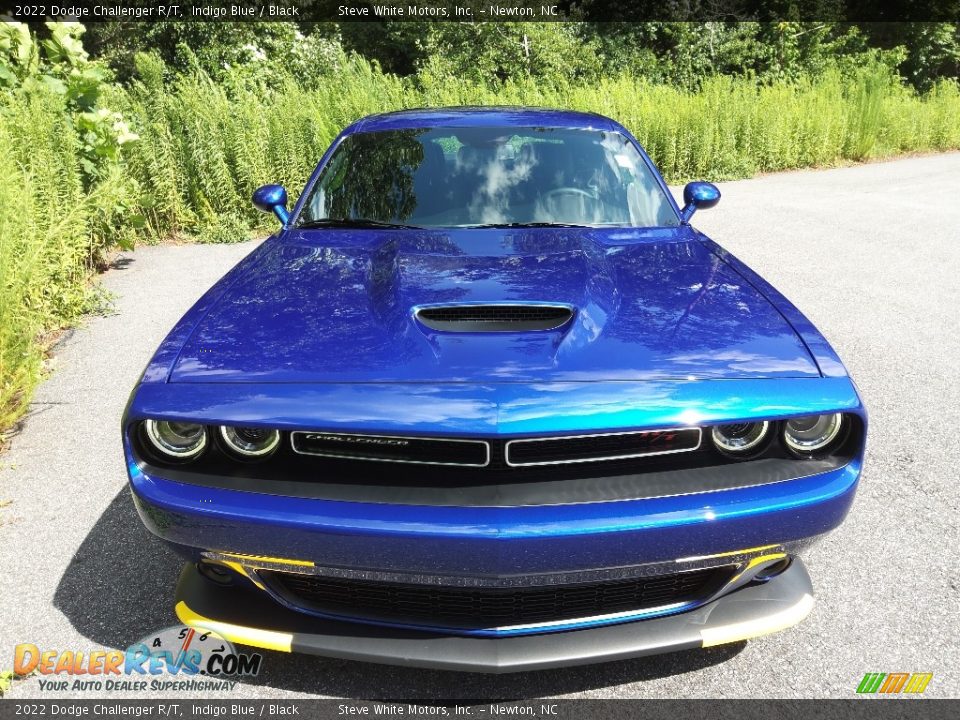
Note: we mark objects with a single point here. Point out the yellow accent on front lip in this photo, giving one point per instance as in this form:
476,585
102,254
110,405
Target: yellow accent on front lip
764,558
238,568
267,559
761,626
728,554
759,560
267,639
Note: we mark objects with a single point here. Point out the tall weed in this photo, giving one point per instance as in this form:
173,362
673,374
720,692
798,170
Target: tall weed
53,231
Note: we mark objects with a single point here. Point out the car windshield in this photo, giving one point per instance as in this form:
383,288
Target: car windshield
468,177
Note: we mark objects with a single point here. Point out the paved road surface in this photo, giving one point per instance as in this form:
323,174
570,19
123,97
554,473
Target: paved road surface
870,253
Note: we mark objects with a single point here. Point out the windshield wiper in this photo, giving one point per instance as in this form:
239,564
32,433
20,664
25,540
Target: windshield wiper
527,225
354,223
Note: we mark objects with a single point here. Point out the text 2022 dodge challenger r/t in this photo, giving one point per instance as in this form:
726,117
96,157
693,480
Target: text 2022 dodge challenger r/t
488,401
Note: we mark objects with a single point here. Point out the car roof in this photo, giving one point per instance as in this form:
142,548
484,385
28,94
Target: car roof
483,116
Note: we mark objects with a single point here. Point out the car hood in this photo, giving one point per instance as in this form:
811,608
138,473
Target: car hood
339,306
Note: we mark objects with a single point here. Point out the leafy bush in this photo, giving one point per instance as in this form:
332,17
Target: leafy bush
227,227
63,68
64,196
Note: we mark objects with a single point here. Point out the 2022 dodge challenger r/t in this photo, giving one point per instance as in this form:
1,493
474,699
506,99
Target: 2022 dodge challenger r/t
488,401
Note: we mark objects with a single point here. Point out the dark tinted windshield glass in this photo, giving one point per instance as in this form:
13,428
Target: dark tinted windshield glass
455,177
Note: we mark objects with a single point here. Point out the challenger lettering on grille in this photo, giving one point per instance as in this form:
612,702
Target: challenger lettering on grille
389,448
358,439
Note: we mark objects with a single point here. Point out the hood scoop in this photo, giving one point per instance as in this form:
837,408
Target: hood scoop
500,317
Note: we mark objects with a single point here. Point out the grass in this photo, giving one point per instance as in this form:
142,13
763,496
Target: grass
204,147
44,240
54,228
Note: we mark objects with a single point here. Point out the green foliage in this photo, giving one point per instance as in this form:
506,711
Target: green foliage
64,69
206,146
216,48
926,52
64,196
227,227
678,53
102,133
492,52
684,54
18,54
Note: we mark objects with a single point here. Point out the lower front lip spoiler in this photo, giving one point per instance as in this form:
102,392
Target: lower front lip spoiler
250,617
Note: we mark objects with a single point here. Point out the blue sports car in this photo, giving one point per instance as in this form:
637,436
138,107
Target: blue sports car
487,401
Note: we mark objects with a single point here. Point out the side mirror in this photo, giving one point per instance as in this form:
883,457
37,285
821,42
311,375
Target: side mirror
272,198
698,196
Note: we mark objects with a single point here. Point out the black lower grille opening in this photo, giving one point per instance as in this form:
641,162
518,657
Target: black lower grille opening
478,608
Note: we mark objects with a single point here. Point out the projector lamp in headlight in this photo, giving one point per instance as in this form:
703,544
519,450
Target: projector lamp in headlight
176,440
812,434
250,442
740,438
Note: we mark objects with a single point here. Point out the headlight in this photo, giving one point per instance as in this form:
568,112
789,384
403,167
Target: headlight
739,438
250,442
177,440
813,433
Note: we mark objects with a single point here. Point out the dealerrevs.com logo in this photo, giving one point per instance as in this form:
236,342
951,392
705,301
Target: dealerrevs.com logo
894,683
175,659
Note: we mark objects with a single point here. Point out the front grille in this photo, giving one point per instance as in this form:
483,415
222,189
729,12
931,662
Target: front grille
592,448
472,608
391,448
483,453
494,318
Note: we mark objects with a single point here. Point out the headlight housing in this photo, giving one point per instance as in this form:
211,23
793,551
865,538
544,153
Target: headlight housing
179,441
249,443
740,439
812,434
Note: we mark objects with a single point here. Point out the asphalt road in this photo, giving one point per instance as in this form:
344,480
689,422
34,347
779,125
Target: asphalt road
870,253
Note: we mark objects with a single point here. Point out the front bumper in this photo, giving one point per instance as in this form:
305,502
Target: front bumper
247,616
491,541
417,536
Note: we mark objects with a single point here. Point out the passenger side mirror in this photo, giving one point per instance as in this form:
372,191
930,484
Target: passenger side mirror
272,198
698,196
